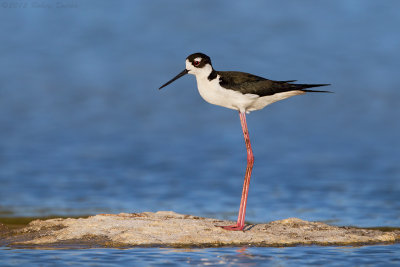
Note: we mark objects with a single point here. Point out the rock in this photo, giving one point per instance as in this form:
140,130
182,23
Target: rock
170,229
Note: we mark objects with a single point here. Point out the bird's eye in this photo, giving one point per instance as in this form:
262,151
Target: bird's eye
196,62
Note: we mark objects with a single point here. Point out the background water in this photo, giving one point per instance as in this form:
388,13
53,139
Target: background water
84,130
320,256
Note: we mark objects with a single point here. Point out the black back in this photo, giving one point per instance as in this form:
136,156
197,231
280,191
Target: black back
247,83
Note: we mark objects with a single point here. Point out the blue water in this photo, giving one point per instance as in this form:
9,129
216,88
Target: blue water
84,129
315,256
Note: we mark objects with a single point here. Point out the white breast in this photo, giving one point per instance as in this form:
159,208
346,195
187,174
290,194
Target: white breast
213,93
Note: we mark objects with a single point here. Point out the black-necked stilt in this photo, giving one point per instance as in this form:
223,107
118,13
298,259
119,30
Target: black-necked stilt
243,92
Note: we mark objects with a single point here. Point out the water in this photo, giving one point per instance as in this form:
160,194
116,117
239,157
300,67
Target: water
84,129
320,256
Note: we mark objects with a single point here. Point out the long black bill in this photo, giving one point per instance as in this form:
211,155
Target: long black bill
176,78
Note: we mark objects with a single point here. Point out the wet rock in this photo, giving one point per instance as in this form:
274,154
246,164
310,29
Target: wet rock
170,229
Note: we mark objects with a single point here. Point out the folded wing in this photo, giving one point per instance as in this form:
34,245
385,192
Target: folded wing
247,83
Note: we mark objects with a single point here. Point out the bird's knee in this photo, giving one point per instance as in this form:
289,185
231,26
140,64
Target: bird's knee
250,159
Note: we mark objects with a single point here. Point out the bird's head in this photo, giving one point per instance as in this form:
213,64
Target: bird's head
197,64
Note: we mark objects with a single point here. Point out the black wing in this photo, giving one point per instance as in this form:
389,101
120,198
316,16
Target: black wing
247,83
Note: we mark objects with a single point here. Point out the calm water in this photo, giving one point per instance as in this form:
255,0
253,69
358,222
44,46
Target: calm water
84,129
320,256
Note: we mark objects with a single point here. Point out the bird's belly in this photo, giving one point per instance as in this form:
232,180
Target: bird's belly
213,93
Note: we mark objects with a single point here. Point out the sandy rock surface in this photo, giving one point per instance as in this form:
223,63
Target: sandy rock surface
170,229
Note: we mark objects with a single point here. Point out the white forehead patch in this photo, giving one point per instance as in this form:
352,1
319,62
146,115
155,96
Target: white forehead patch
198,59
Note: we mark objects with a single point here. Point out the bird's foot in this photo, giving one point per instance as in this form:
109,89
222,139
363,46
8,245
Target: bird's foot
235,227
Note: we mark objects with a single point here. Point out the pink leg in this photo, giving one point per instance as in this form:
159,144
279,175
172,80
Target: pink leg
245,192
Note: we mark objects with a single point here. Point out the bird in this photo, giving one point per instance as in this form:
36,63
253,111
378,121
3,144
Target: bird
245,93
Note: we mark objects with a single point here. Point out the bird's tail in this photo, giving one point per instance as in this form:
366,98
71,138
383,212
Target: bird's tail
303,86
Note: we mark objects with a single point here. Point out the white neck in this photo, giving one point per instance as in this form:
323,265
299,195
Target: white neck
204,72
